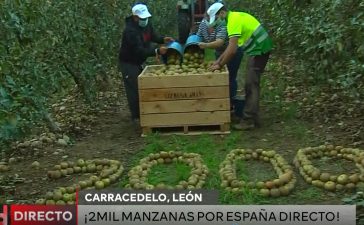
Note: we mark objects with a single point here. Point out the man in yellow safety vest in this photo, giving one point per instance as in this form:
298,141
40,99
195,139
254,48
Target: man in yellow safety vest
244,31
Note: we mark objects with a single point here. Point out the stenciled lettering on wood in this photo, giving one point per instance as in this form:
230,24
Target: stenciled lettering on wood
184,95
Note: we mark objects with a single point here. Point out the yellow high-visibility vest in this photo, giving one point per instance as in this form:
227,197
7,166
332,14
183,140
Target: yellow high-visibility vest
253,38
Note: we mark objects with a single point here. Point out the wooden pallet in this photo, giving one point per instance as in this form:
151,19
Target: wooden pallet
188,130
184,102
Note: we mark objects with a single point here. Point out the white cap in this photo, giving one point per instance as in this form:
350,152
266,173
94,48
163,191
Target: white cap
213,9
141,11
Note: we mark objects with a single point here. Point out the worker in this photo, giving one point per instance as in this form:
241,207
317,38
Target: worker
137,45
246,32
215,37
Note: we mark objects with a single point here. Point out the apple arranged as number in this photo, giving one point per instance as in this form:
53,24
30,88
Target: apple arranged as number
109,171
325,180
280,186
138,175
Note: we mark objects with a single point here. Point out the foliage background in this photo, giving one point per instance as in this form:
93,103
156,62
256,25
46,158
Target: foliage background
47,47
325,38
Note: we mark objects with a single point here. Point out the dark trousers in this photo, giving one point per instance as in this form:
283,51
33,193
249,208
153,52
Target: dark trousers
130,73
256,66
233,67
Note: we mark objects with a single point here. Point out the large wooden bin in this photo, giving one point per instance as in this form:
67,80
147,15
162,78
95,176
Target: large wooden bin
189,103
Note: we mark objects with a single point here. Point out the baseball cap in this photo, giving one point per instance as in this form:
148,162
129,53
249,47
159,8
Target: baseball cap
213,9
141,11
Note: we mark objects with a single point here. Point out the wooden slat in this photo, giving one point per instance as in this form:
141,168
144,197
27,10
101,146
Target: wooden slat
192,133
184,101
146,130
214,79
188,130
185,129
181,119
196,105
225,127
170,94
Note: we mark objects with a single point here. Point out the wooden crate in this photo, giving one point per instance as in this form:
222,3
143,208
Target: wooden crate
184,101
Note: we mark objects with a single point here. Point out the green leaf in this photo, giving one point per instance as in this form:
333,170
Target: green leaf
347,200
361,203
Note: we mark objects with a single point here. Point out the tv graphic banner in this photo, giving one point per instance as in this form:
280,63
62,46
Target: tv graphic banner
39,215
217,214
121,207
3,215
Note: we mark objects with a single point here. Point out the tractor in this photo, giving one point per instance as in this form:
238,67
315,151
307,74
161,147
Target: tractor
190,14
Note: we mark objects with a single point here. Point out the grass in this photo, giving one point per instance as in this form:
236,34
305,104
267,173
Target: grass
214,149
209,54
282,131
169,174
335,166
309,193
247,171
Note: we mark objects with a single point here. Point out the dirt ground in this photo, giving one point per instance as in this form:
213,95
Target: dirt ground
113,136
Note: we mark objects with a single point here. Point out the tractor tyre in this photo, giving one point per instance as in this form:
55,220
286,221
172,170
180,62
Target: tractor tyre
184,26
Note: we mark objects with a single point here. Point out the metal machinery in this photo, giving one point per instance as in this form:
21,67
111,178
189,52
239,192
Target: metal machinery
190,14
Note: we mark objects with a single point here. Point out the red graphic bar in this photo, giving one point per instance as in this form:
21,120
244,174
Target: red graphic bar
4,216
43,215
